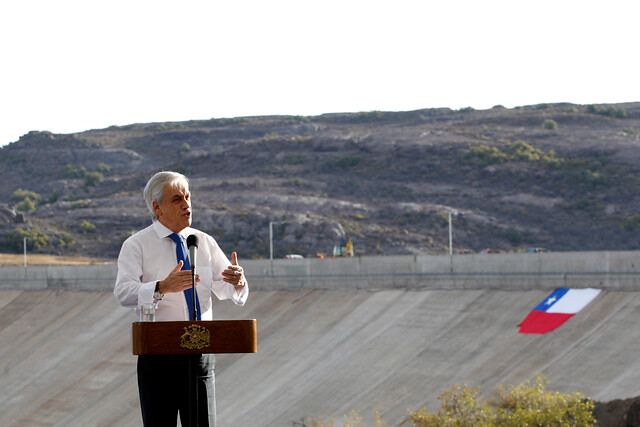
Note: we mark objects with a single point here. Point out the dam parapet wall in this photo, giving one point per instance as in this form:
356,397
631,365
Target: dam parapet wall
613,270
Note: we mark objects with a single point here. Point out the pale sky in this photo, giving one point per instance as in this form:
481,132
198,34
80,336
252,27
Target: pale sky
69,66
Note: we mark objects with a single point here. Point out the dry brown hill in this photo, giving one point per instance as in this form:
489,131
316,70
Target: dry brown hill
559,176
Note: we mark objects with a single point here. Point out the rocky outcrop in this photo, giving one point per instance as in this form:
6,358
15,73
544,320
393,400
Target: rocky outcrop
8,216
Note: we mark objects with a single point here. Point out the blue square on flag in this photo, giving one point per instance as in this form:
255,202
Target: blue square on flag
557,308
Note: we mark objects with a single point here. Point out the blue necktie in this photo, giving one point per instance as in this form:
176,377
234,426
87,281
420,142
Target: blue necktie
181,254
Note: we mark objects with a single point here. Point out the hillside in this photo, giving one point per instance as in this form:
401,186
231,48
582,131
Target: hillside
559,176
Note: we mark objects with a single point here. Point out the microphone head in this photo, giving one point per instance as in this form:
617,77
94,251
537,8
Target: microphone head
192,240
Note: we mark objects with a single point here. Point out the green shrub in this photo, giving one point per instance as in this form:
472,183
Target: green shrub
86,226
552,160
513,236
103,168
26,205
54,197
90,177
611,111
520,150
65,240
184,148
460,407
93,178
550,124
36,240
20,195
70,171
484,155
529,404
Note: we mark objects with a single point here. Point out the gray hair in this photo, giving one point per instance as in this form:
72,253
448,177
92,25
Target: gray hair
155,186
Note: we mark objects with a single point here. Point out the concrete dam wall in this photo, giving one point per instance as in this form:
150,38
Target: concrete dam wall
334,335
610,270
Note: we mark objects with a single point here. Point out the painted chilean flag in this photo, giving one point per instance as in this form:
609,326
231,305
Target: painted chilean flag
556,309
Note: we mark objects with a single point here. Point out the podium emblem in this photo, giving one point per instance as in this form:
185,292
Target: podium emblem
195,337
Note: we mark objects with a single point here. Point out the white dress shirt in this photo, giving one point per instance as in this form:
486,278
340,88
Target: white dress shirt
150,255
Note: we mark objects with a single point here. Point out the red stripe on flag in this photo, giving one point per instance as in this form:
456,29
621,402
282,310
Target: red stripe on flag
540,322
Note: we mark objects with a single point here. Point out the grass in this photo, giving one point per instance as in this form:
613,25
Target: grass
41,259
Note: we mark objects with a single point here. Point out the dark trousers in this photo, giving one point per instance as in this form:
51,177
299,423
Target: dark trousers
163,384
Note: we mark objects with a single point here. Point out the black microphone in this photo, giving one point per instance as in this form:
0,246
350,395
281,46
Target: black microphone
192,244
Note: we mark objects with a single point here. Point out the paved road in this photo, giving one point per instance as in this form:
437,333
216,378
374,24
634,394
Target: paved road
65,357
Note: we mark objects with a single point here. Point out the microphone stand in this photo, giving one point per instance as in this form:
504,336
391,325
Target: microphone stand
193,359
194,307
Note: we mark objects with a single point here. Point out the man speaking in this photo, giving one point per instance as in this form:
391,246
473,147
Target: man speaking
154,267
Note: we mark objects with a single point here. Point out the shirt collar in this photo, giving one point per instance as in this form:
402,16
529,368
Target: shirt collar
163,231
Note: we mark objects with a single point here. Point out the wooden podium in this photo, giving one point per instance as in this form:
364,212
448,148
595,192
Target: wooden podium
195,337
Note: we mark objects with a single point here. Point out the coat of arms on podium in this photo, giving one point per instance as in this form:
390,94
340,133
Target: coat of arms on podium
195,337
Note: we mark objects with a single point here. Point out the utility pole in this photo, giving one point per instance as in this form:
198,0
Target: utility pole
271,245
24,245
450,236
